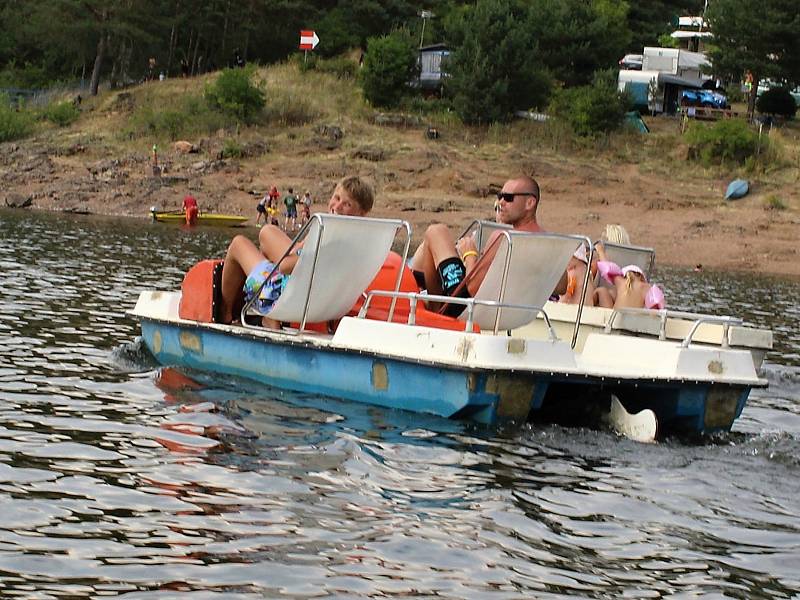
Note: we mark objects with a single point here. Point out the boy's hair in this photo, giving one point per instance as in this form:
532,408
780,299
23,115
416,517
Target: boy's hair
360,191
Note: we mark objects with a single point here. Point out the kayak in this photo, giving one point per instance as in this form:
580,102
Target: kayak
217,219
737,188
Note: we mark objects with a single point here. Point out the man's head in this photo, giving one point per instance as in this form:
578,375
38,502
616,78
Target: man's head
352,196
518,201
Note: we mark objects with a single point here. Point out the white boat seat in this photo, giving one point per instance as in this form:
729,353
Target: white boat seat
624,255
340,258
536,262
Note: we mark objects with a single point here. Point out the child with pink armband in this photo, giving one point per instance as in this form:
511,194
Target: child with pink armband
631,288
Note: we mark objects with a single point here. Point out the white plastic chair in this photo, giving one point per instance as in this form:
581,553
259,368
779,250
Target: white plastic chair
340,257
525,271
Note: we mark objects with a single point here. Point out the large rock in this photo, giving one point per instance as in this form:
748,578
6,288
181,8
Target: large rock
185,147
18,201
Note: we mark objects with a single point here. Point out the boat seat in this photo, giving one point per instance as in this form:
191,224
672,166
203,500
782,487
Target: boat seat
531,265
624,255
341,255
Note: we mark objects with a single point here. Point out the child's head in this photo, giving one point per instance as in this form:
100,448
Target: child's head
352,196
633,273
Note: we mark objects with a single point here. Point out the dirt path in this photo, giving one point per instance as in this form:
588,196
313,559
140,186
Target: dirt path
685,220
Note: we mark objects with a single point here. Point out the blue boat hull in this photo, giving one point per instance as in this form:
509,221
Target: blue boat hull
362,377
479,395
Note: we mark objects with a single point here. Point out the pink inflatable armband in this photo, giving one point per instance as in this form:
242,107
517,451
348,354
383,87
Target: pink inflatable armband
654,298
608,270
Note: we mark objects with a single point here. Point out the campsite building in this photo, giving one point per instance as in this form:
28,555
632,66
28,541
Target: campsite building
430,66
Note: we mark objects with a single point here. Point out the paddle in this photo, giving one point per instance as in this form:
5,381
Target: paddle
639,427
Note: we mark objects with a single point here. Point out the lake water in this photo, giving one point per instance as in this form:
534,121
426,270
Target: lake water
118,479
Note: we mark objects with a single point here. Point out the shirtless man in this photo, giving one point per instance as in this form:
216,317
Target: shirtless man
442,265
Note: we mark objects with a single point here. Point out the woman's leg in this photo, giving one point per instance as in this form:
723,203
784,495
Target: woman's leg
241,258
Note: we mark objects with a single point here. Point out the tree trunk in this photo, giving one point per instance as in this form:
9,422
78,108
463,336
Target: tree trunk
196,50
98,62
751,100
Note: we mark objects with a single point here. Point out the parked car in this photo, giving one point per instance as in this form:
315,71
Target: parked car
705,98
632,62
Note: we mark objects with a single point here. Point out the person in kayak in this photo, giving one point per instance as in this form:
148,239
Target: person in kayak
247,266
191,209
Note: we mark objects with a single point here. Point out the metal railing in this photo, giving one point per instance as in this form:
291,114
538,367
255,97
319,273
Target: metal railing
469,303
664,314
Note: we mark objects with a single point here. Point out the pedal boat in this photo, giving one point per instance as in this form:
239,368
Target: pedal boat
388,350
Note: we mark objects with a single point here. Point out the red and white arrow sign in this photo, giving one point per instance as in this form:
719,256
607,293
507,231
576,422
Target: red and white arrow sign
308,39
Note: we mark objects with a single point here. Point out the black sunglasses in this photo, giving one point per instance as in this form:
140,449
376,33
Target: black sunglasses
509,196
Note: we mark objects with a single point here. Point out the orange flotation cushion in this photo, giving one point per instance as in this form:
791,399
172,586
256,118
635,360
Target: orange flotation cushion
198,291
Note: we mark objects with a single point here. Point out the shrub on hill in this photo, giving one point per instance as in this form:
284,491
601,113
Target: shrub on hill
14,123
62,113
234,93
592,109
777,101
388,67
726,141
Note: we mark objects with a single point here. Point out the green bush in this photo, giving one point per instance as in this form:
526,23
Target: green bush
232,149
592,109
235,94
14,123
388,67
773,202
729,140
777,101
62,113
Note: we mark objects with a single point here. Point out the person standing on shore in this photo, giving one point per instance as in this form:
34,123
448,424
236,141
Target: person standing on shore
290,202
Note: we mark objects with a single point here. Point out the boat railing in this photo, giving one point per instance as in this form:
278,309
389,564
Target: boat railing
697,319
318,220
470,304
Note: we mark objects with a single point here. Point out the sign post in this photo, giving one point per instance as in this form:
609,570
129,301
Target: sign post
308,41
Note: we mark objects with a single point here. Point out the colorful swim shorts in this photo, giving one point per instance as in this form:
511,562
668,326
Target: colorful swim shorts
272,288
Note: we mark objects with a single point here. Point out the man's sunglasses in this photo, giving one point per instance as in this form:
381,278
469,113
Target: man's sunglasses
509,196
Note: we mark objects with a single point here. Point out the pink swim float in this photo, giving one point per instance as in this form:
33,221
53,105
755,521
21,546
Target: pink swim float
654,298
608,270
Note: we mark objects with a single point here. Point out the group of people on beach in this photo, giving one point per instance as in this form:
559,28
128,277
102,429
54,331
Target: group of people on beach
441,265
267,208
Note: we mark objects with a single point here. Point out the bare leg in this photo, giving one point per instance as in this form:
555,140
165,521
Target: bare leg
241,258
603,298
273,242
